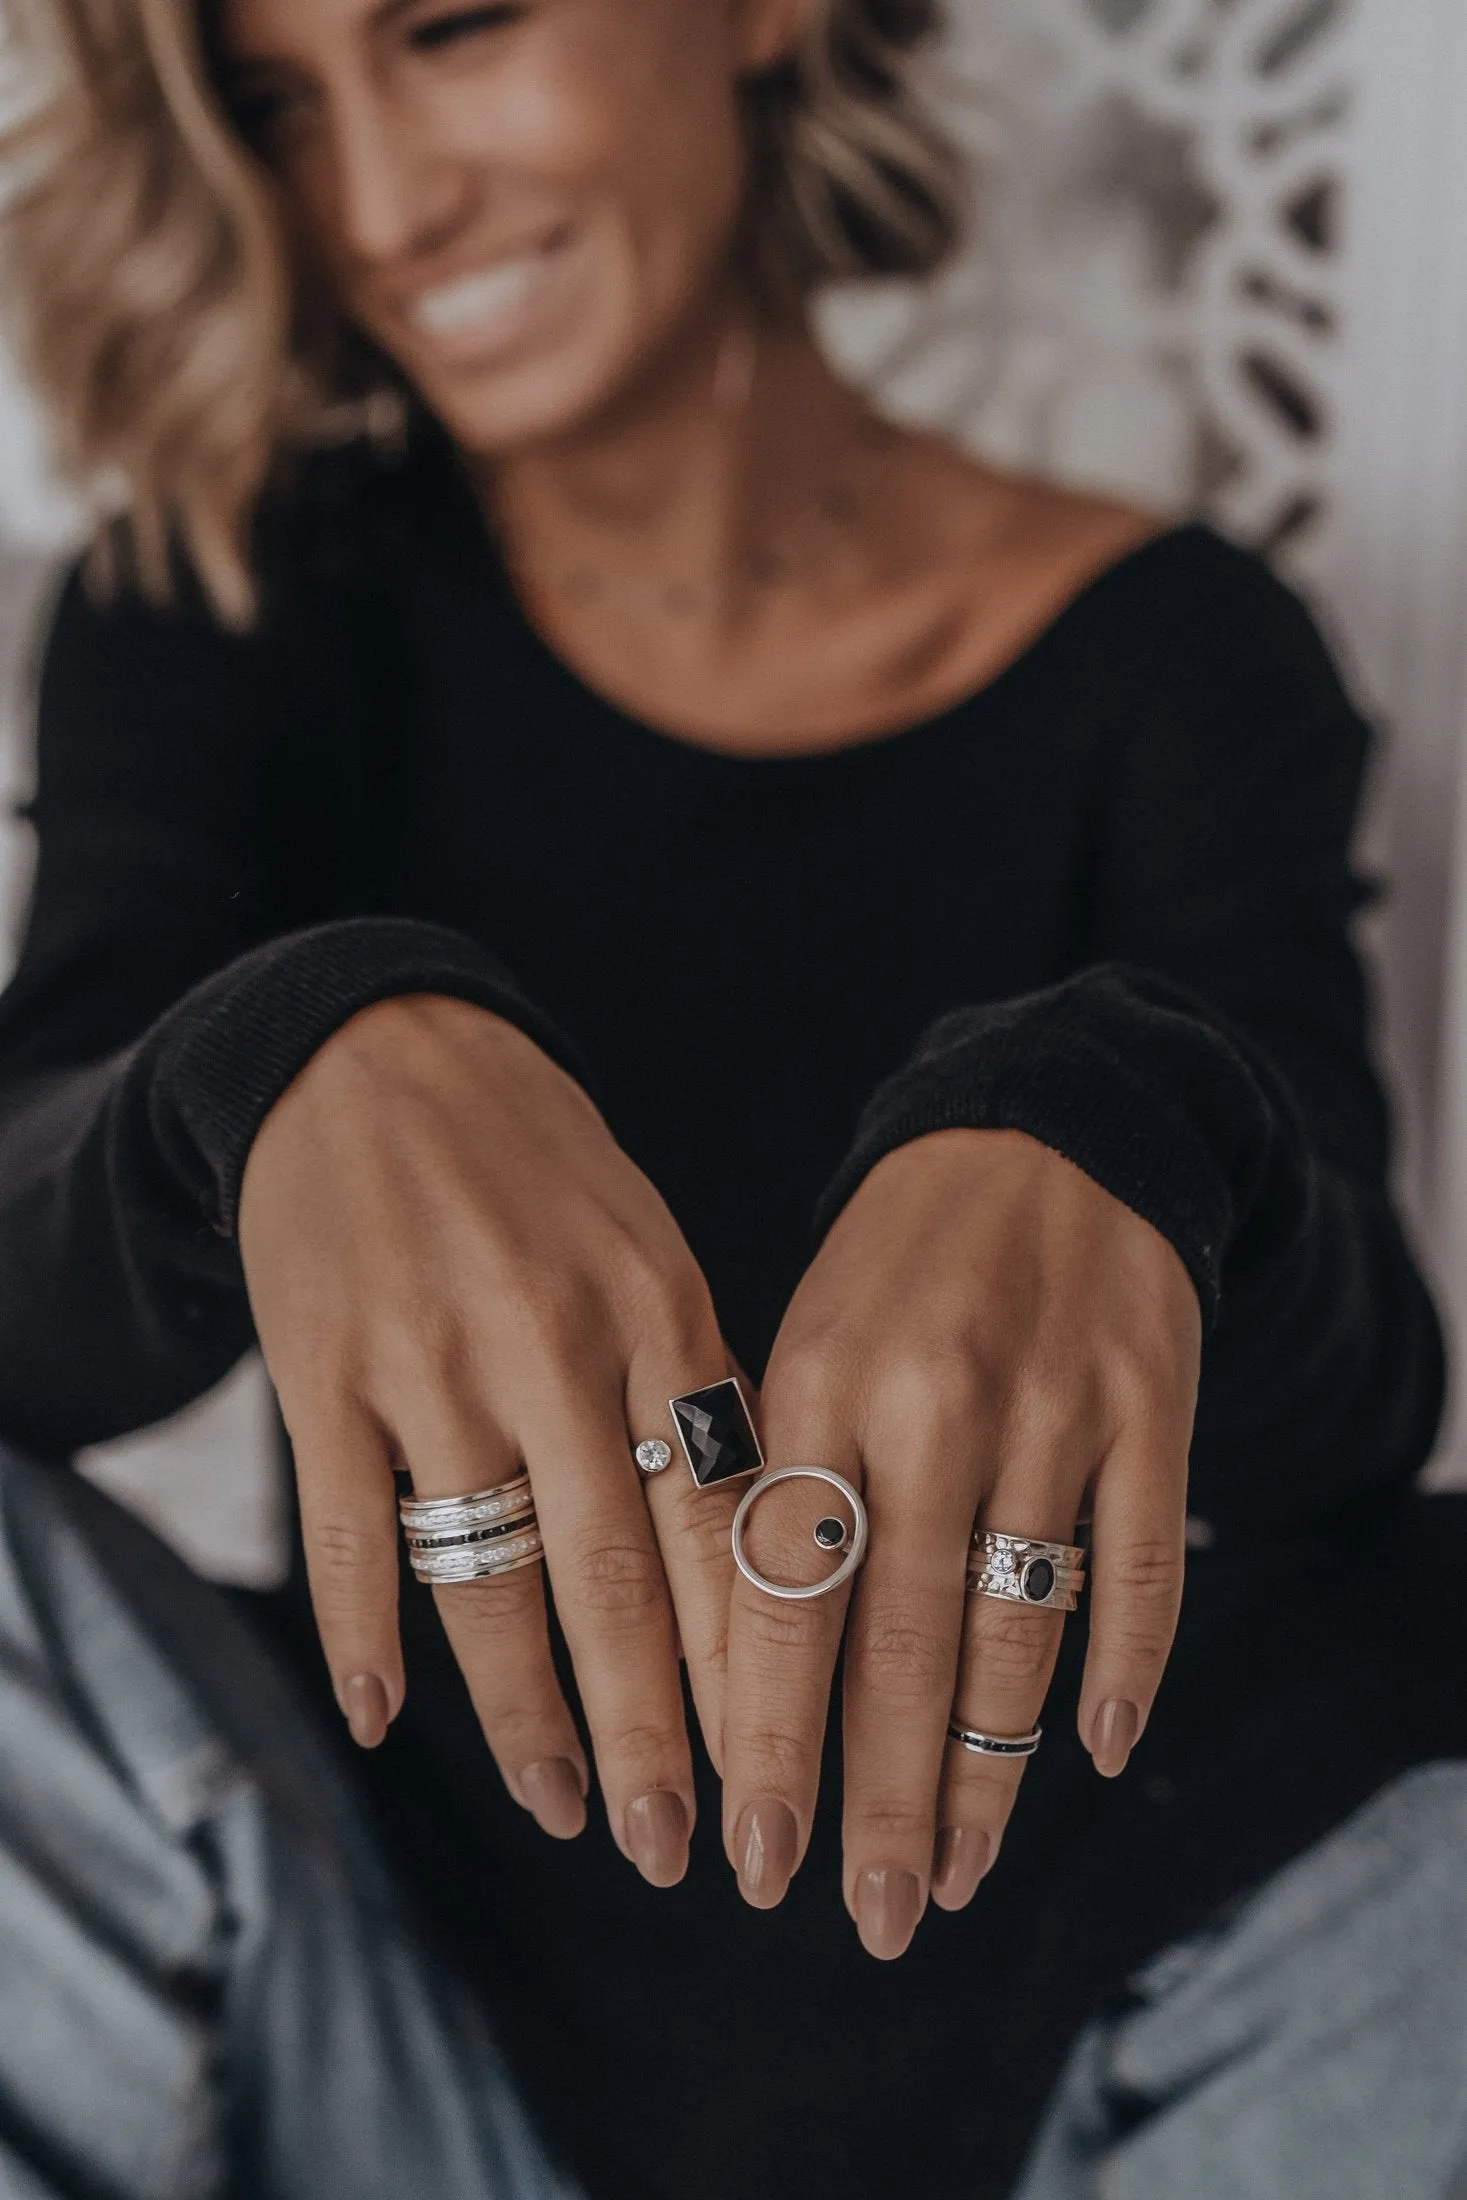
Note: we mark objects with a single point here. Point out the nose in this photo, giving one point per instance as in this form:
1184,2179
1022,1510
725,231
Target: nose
396,193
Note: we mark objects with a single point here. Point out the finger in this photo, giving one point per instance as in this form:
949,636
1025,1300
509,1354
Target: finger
693,1524
1004,1671
1138,1558
901,1664
348,1506
612,1599
497,1629
781,1656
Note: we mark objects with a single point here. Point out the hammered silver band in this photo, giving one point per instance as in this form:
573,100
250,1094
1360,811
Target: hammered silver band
1021,1569
851,1540
994,1745
473,1537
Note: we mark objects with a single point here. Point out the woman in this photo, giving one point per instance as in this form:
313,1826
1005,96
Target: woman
864,829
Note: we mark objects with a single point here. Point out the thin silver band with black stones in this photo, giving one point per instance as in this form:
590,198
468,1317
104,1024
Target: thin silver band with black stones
994,1745
1021,1569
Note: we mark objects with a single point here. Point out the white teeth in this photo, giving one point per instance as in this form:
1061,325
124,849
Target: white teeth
475,299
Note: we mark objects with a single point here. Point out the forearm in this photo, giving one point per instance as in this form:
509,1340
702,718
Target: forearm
121,1291
1322,1371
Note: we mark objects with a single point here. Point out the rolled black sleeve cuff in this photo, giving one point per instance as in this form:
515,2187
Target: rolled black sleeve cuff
1125,1075
225,1055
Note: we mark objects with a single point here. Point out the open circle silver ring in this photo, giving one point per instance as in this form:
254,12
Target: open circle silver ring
1022,1569
830,1534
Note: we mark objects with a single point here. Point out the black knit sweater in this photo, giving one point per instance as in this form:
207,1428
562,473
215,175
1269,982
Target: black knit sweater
1105,901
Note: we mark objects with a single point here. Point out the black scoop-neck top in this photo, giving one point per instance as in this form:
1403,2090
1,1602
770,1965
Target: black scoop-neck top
1106,900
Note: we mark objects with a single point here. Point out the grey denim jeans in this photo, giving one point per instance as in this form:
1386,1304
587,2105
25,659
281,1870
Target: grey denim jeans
206,1988
1311,2046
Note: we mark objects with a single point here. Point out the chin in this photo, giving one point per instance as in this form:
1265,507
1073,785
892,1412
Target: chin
494,414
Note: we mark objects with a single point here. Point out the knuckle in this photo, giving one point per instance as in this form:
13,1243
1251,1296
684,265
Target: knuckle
987,1792
488,1612
893,1821
342,1547
810,1387
1013,1649
619,1579
778,1631
642,1749
1146,1571
930,1387
901,1658
703,1540
777,1757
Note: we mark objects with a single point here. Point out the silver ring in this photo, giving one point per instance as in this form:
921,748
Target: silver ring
480,1562
854,1539
442,1515
994,1745
471,1537
716,1432
1021,1569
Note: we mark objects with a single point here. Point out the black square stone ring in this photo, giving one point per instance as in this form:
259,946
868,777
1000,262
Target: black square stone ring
1020,1569
715,1431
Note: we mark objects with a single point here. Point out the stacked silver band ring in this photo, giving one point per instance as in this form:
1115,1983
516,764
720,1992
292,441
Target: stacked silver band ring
474,1537
1021,1569
994,1745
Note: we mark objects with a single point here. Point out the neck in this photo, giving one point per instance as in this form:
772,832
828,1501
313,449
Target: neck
695,470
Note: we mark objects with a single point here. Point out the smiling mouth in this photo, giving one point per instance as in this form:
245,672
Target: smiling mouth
488,299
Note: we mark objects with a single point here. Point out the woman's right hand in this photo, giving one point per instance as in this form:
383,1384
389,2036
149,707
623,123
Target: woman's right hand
454,1269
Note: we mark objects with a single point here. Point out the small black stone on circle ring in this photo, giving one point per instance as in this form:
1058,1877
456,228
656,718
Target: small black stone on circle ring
1037,1580
832,1534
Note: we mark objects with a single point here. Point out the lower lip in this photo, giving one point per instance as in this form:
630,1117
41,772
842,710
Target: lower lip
483,340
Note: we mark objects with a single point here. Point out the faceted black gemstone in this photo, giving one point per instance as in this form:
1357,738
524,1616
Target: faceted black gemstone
831,1533
716,1433
1037,1579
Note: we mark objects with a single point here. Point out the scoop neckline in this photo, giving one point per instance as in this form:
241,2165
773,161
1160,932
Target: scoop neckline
877,744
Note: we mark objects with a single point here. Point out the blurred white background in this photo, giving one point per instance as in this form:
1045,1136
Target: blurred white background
1219,262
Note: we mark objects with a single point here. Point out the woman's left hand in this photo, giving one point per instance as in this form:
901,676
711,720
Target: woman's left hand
986,1336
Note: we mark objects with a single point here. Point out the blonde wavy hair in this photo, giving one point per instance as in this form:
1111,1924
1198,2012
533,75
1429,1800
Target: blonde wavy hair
154,304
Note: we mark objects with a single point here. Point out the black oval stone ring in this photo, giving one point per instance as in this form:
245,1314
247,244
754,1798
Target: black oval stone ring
1020,1569
830,1534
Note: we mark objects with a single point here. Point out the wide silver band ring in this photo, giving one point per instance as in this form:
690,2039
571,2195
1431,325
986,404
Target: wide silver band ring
474,1536
853,1540
1021,1569
994,1745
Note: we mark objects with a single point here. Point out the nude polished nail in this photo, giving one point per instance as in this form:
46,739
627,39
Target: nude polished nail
656,1830
552,1789
888,1905
363,1701
964,1854
764,1845
1113,1736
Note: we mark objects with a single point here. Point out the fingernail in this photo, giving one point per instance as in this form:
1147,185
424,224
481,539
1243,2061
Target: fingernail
657,1837
1113,1737
888,1904
552,1789
363,1699
764,1851
964,1854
